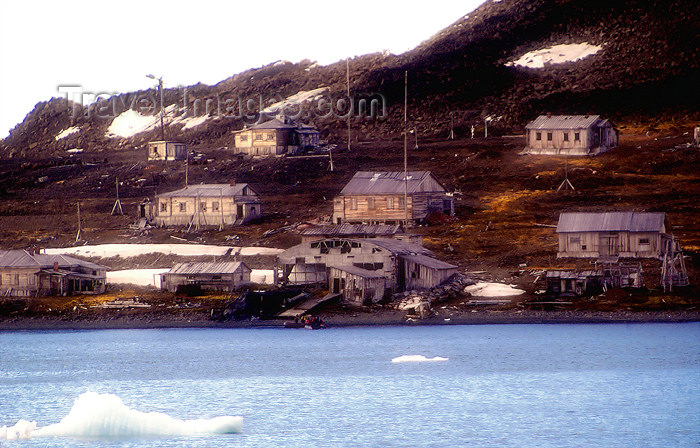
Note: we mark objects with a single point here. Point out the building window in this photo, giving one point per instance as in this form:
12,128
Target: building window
566,136
390,203
258,137
583,247
577,136
353,203
538,136
215,206
644,241
549,136
163,206
244,138
575,240
183,207
402,203
370,203
203,206
270,136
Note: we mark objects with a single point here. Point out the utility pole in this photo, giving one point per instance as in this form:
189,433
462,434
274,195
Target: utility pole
405,149
452,126
347,78
160,91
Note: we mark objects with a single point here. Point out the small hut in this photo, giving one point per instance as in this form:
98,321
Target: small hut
223,276
167,150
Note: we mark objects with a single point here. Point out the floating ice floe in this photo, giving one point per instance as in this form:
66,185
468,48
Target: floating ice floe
418,358
96,415
557,54
483,289
66,132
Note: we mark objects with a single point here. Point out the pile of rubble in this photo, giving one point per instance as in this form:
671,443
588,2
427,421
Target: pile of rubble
419,303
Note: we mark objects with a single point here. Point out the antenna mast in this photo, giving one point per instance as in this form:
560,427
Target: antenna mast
405,148
347,78
566,183
117,209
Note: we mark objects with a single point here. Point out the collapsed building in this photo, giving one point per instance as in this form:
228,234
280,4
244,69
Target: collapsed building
364,271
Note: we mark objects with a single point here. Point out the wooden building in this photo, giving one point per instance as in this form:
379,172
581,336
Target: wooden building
275,137
167,150
339,261
379,198
359,231
612,234
594,281
358,286
23,274
204,205
223,276
575,135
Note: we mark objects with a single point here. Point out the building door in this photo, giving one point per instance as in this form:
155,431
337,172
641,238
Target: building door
336,285
142,211
609,245
401,280
239,211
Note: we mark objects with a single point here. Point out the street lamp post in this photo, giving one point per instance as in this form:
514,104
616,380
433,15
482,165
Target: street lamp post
160,91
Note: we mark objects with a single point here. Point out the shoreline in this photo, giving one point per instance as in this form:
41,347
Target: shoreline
526,317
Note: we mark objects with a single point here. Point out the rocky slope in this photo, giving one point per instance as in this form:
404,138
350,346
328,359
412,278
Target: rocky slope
646,66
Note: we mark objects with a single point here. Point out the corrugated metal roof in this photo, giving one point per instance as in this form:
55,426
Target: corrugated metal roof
229,267
23,259
207,190
547,122
611,222
354,270
396,246
388,182
432,263
353,229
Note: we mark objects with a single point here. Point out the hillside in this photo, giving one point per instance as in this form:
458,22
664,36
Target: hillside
646,67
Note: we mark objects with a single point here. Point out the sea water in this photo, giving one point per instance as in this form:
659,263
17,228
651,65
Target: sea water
443,386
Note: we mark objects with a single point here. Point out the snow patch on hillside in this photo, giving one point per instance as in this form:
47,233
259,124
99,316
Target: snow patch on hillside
297,98
133,250
557,54
66,132
131,122
151,277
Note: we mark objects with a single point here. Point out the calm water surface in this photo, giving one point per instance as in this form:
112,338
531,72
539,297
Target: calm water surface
504,385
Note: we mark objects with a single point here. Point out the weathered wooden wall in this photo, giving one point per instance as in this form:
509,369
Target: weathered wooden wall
596,244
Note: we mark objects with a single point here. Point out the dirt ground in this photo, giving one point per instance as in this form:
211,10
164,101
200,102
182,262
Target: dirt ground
506,203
